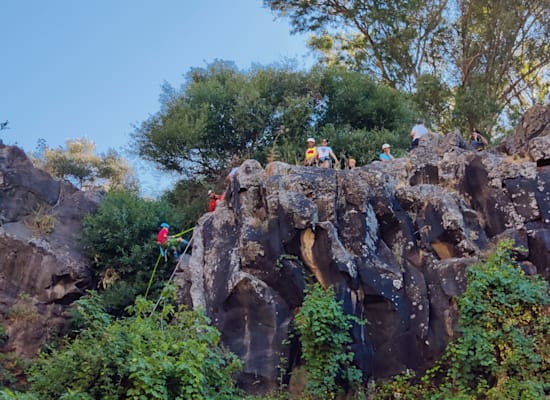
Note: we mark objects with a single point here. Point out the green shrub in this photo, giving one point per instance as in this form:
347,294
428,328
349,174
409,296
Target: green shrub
169,354
324,335
121,240
504,349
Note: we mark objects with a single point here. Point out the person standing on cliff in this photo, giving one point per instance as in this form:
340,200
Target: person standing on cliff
324,154
417,132
213,200
311,153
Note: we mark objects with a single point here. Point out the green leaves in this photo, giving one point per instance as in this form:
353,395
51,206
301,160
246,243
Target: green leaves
121,239
172,354
222,111
504,349
324,335
78,163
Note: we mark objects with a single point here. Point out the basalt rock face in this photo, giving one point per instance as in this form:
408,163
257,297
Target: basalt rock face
393,239
41,266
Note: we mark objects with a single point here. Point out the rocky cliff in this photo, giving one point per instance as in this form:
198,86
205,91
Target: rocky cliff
393,239
41,268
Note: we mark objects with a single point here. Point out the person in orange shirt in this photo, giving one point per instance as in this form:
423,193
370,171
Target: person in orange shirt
213,200
311,153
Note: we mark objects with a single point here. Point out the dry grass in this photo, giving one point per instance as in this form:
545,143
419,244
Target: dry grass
41,221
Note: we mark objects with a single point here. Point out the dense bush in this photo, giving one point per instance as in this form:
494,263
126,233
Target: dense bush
168,354
504,350
121,240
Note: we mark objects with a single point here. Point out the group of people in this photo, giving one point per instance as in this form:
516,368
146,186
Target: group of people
320,155
323,155
477,141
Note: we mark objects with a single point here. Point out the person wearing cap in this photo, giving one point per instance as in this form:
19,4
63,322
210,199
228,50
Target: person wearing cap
311,153
418,131
213,200
385,156
324,154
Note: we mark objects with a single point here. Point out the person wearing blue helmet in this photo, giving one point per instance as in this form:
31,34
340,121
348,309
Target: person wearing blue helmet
162,236
164,240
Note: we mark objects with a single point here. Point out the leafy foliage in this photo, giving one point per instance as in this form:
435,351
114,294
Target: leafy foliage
121,239
493,54
169,354
265,113
79,163
324,335
504,350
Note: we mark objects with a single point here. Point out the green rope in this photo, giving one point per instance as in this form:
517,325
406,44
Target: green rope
159,257
183,232
152,275
173,273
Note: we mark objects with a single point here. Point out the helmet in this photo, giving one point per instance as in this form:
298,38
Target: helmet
311,140
164,225
385,146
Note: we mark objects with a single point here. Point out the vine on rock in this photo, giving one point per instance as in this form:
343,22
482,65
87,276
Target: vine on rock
324,335
504,348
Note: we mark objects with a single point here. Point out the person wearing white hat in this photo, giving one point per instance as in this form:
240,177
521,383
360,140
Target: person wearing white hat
311,153
213,200
385,156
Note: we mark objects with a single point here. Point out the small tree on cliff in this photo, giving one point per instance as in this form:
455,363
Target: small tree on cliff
78,163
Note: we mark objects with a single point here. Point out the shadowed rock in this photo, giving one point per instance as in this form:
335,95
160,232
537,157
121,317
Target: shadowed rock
41,266
393,239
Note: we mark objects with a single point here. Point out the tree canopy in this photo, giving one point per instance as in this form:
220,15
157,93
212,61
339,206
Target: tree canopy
79,163
221,111
494,54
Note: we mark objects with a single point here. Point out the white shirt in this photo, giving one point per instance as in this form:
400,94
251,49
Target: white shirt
419,130
324,152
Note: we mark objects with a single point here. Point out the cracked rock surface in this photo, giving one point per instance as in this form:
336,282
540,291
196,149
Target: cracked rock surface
393,239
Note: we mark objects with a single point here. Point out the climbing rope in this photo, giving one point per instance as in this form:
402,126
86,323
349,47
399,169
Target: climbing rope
173,273
152,275
177,265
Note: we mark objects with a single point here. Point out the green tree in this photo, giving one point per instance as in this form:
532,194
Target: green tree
120,238
166,354
496,52
219,112
79,163
260,113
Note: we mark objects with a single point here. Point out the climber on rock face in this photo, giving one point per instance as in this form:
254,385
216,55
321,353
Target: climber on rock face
214,198
164,240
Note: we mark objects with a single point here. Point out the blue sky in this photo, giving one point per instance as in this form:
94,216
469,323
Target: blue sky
92,68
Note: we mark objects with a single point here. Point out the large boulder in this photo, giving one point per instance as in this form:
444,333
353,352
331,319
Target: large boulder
42,269
393,239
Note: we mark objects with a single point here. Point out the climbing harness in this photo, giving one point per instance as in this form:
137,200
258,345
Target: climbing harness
173,274
164,254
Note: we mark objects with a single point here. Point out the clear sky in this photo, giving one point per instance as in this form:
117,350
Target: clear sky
92,68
